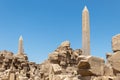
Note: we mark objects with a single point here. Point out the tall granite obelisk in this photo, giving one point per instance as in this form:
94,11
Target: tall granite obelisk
85,32
20,46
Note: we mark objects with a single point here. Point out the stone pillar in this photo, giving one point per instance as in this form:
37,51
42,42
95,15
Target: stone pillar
85,32
20,46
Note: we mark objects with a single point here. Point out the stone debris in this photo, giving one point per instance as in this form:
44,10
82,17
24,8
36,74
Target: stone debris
64,63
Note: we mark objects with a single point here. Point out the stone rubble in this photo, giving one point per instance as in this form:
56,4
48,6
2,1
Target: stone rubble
62,64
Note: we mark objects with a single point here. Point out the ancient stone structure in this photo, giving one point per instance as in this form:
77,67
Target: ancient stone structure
20,46
64,63
85,32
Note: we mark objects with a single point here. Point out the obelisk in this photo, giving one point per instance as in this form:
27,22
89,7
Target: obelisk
85,32
20,46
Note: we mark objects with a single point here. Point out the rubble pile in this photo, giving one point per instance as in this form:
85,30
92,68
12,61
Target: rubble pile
62,64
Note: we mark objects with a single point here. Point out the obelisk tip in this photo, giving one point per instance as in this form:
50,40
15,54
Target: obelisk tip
21,38
85,8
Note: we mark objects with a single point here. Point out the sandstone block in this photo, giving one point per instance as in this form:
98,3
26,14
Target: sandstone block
56,68
65,44
108,71
53,56
91,66
116,43
12,76
114,61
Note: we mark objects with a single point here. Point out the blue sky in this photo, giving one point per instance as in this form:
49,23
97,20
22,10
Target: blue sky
44,24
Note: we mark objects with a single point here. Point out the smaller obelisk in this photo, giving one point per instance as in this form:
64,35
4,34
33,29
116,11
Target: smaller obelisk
85,32
20,46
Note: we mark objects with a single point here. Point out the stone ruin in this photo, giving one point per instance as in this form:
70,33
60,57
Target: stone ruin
62,64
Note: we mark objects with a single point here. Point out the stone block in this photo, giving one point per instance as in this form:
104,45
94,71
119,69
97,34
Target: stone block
114,61
91,66
116,43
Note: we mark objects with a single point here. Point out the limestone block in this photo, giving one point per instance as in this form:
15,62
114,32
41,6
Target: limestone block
116,43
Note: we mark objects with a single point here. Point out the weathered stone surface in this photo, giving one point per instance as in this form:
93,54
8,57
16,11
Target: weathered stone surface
108,71
114,61
12,76
85,78
53,56
85,32
116,43
62,64
56,68
91,66
65,44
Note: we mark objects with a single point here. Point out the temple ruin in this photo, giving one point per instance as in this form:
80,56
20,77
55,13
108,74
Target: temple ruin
64,63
